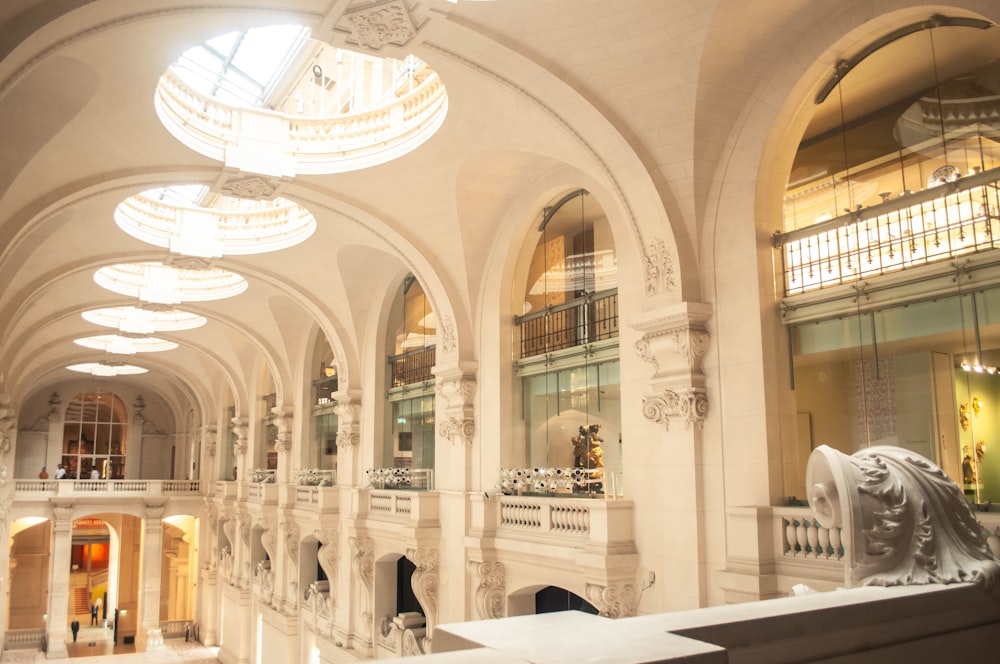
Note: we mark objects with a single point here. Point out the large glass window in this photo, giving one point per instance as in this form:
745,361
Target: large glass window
568,367
412,442
922,376
408,450
94,435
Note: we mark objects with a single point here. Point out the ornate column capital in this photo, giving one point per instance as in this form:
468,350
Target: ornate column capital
674,341
62,517
688,404
456,391
282,418
241,429
348,411
211,434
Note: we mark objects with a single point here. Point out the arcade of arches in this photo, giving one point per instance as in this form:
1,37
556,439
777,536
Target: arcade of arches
325,324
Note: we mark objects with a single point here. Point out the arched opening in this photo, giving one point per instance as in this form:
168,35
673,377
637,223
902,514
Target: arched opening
178,572
888,251
551,599
320,456
399,616
408,446
568,423
28,594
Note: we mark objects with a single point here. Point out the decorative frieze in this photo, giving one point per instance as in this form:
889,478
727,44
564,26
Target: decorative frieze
491,593
253,187
659,268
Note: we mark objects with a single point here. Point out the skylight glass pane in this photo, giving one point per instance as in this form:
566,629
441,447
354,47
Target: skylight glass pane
181,194
240,68
263,51
224,43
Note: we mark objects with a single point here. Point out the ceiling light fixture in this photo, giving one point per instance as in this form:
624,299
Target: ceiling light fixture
125,345
157,283
107,369
142,320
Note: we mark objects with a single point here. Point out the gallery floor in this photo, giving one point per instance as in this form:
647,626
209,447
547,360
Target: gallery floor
96,643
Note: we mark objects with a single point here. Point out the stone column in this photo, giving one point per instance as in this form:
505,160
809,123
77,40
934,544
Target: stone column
349,461
62,548
149,636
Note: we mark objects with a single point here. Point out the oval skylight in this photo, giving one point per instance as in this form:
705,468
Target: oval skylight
121,345
107,369
274,102
225,226
137,320
157,283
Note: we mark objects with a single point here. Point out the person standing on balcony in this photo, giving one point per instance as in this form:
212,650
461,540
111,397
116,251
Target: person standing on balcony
95,474
61,472
44,475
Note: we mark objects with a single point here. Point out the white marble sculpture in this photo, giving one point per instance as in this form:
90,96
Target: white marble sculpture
903,521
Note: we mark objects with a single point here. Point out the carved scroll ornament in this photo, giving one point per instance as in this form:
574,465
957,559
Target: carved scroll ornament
904,521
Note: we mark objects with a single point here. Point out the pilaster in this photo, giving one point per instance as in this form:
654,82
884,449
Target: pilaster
282,418
675,404
348,410
62,548
149,636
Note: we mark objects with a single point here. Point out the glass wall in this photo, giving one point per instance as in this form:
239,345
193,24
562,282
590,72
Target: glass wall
921,376
411,444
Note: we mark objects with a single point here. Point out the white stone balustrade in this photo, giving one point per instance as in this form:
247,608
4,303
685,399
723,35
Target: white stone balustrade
43,489
315,144
412,508
317,498
801,535
592,523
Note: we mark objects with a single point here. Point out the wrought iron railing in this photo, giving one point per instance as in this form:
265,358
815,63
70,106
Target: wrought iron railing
592,317
413,366
937,224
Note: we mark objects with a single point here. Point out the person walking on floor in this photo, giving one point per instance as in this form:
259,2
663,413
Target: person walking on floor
75,627
93,614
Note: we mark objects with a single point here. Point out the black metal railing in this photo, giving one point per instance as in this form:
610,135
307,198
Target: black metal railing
937,224
413,366
592,317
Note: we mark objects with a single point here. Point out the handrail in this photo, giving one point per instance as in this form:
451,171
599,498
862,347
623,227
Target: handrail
901,202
